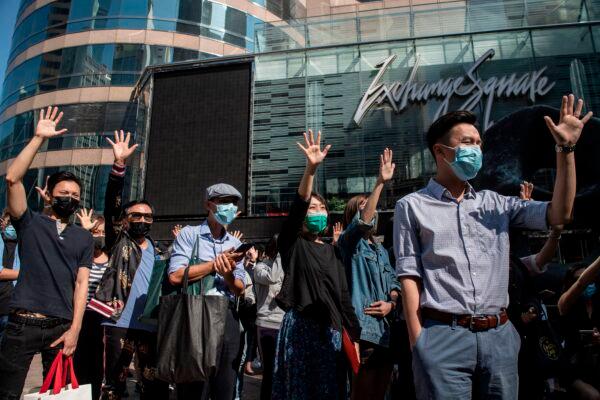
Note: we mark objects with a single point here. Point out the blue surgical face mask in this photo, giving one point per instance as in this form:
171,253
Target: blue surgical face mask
10,233
467,161
226,213
371,231
589,291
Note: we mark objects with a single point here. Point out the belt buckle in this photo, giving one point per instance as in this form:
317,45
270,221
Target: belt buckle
472,326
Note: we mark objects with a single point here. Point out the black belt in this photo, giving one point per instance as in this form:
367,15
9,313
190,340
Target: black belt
49,322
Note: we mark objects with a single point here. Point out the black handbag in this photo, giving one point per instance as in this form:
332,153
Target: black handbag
191,328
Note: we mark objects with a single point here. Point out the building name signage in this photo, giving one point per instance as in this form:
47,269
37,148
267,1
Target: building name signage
398,95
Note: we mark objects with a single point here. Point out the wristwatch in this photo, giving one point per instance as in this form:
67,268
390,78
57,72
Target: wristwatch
564,148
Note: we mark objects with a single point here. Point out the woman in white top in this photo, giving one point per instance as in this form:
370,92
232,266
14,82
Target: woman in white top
268,277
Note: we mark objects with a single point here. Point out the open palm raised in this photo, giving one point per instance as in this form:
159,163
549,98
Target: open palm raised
121,148
569,126
46,126
386,166
312,150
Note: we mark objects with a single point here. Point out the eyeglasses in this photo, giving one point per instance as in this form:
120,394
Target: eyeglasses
137,217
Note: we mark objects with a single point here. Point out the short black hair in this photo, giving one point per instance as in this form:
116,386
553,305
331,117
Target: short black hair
135,203
62,176
445,123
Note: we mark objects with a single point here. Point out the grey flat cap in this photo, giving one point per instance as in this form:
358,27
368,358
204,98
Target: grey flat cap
222,190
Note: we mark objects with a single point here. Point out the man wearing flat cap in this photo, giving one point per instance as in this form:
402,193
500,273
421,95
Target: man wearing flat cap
217,257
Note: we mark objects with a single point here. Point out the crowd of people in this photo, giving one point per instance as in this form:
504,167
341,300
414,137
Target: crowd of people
440,309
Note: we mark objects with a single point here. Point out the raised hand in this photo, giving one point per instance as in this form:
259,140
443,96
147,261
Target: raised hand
46,126
526,190
43,192
569,127
386,166
176,229
121,148
237,234
312,150
337,231
252,254
85,218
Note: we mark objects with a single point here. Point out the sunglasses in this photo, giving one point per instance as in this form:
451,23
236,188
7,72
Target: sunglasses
136,217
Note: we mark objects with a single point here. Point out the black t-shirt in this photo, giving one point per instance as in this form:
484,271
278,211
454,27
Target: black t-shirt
49,264
315,281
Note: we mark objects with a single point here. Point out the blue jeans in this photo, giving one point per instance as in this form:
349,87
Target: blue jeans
456,363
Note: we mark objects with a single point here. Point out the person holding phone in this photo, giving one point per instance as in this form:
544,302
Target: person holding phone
579,309
314,295
220,259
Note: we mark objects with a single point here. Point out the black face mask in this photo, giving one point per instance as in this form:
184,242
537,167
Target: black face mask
99,242
139,229
64,206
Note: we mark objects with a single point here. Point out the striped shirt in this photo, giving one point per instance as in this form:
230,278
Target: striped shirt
460,250
96,273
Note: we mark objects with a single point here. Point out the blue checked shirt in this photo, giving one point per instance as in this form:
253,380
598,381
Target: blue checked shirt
208,248
460,251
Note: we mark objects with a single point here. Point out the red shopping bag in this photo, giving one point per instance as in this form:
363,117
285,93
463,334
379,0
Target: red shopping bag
60,371
350,350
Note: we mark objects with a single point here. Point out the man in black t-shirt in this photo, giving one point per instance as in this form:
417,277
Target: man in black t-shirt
49,299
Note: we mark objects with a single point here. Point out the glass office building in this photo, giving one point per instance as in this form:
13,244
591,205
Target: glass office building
86,55
505,55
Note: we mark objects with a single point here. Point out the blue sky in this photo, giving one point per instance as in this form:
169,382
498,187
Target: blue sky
8,13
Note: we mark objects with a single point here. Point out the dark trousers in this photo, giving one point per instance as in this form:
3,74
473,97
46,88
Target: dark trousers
267,339
21,341
89,356
120,345
246,353
222,385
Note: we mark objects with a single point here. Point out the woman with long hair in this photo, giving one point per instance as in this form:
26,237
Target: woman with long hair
309,362
374,286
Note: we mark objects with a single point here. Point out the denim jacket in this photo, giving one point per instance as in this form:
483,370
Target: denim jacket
371,278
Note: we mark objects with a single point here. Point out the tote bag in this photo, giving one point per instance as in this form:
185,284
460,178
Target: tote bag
191,328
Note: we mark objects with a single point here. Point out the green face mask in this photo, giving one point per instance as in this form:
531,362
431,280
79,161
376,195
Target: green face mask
316,222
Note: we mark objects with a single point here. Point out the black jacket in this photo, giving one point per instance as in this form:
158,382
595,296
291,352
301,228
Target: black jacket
125,254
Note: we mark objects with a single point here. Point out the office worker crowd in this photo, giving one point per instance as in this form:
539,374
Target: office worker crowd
439,309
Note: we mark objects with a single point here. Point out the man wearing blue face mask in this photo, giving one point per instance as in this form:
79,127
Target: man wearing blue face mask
219,262
452,257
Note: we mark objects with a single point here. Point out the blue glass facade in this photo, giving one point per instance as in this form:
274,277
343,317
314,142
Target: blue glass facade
314,74
102,65
204,18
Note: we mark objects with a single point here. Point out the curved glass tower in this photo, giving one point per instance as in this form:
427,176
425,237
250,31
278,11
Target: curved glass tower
85,56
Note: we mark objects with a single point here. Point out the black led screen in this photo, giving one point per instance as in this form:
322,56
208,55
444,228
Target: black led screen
198,136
